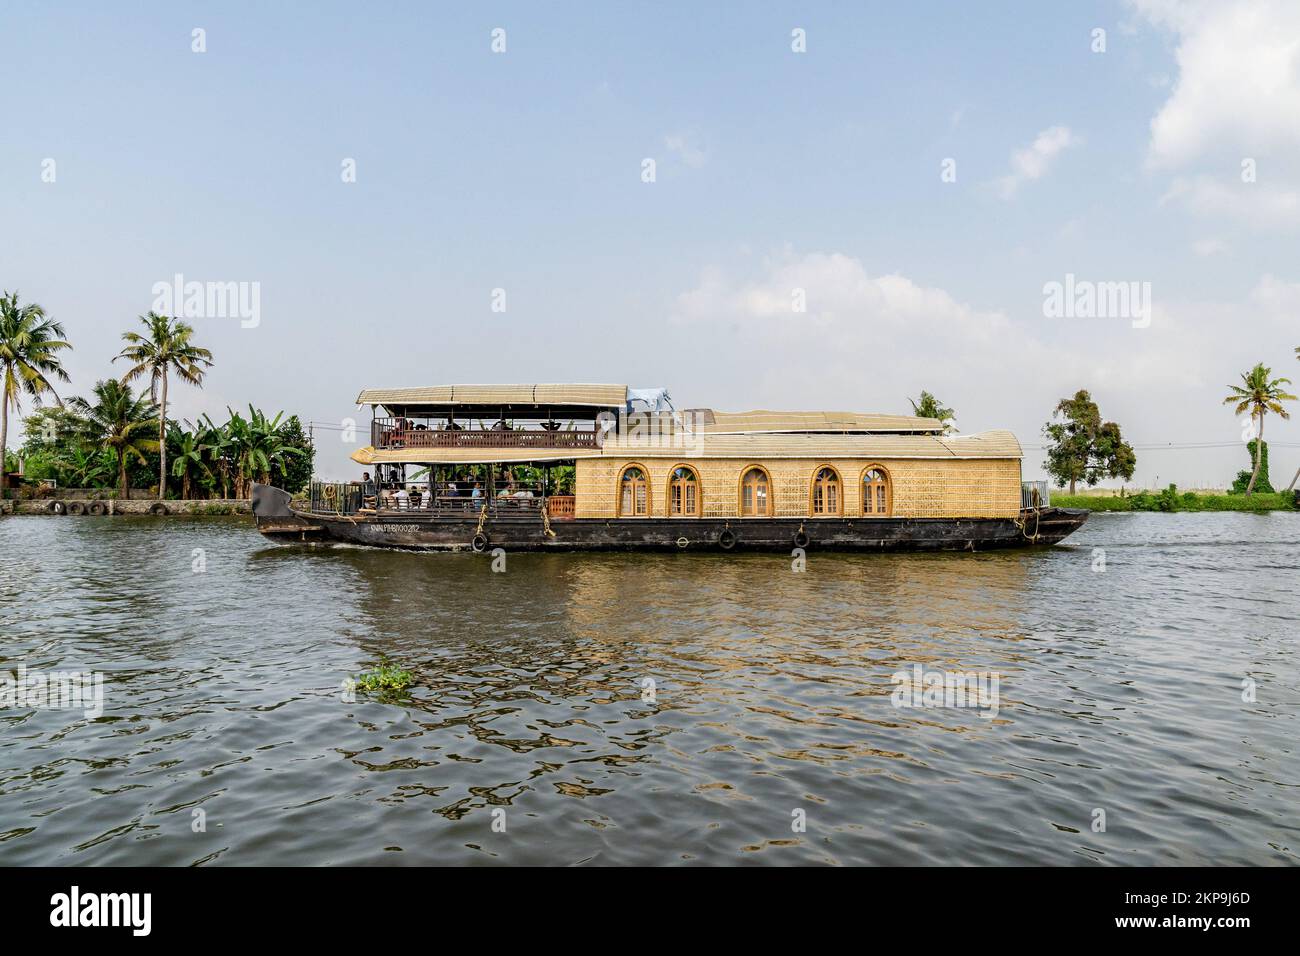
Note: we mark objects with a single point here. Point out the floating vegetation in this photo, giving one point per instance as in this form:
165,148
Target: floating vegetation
385,678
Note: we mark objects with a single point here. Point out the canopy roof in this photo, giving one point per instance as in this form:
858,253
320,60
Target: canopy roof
438,399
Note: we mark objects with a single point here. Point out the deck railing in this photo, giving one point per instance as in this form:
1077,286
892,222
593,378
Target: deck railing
560,507
335,497
1034,494
387,433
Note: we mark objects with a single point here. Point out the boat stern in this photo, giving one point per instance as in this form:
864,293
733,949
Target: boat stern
277,520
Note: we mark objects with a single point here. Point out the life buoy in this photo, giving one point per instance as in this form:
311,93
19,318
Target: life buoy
683,542
96,508
801,539
158,508
76,508
479,543
727,539
56,508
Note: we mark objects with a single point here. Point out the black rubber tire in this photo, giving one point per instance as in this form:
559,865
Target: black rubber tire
479,543
56,507
727,539
76,508
801,539
158,508
97,508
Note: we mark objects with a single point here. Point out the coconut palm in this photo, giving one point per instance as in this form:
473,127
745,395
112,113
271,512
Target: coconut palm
29,343
927,406
1259,395
164,347
121,422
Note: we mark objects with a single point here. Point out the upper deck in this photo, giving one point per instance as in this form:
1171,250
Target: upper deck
465,423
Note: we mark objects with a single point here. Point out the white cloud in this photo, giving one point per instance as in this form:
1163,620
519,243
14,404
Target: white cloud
1257,203
1238,88
1033,161
867,341
1237,97
687,148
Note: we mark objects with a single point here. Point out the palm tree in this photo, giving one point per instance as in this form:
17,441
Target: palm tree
1259,394
165,346
28,343
121,422
928,407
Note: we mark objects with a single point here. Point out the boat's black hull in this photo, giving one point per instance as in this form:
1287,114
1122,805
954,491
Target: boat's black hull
422,532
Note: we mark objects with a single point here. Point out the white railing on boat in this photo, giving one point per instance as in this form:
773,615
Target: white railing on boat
1034,494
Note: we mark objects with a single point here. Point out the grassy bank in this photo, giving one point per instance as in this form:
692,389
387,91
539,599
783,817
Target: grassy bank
1171,499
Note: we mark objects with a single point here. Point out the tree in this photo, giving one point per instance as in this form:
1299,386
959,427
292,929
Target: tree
164,347
1297,471
298,469
1084,448
121,422
928,407
218,450
258,448
1259,395
188,461
29,343
1262,484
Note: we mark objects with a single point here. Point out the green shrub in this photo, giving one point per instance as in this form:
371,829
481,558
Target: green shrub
1170,500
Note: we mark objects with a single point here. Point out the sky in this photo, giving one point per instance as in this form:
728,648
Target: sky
847,203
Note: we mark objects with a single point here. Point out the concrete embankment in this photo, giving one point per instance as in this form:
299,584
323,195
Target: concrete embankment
118,506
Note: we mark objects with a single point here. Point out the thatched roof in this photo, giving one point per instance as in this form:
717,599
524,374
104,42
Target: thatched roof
596,396
770,421
991,444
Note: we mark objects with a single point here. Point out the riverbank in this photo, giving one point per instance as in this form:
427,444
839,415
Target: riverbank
173,507
1171,499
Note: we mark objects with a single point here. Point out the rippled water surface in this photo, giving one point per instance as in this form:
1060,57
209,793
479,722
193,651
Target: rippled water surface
1120,691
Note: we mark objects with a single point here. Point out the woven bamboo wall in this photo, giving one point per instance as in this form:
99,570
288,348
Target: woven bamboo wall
922,488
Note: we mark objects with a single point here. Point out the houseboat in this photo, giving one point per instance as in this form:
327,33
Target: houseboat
583,467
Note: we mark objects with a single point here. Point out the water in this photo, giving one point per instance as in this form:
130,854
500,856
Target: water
1119,691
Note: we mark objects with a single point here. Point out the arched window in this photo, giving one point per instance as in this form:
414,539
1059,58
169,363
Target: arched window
684,492
633,496
755,494
876,497
826,492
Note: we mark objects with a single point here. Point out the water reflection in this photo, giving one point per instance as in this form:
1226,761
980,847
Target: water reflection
648,708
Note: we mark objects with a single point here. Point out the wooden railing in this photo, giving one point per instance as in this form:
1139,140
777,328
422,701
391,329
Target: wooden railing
560,507
385,434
